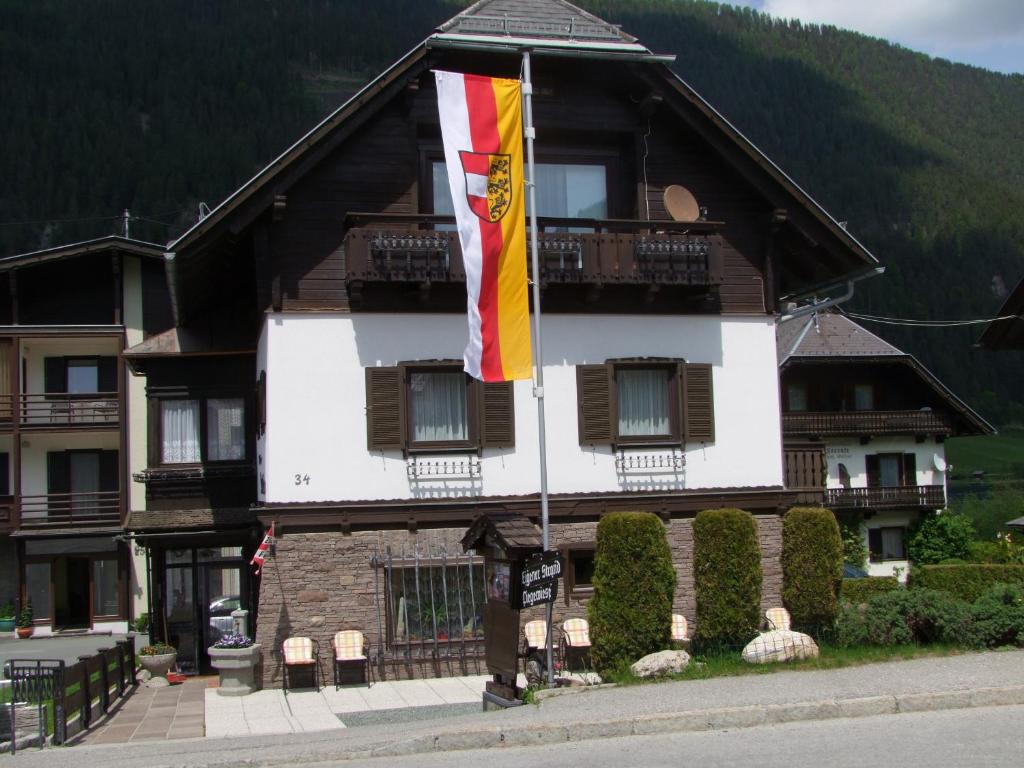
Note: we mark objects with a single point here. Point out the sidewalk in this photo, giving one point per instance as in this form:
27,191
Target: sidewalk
970,680
149,714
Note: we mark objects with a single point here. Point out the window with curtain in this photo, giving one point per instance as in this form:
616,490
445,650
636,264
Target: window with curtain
437,407
105,594
179,430
796,397
863,397
887,543
225,429
643,400
889,470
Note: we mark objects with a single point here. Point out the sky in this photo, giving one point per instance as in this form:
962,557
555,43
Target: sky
986,33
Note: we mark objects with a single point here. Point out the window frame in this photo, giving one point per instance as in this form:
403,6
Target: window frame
903,544
870,388
797,386
674,385
472,441
571,552
156,435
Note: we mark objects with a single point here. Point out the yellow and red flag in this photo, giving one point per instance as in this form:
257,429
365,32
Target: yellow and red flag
482,129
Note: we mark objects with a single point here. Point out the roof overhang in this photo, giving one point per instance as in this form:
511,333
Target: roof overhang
1007,332
113,243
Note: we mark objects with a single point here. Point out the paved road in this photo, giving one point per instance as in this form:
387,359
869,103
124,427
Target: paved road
989,737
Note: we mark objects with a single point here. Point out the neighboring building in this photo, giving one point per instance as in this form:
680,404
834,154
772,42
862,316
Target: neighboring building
868,422
315,367
70,423
1008,333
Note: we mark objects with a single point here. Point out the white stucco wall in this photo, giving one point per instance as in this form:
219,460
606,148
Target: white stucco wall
851,453
317,421
137,427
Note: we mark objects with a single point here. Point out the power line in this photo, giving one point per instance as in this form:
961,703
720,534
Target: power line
116,217
927,323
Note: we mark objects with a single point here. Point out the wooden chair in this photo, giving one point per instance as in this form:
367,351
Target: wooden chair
350,648
777,618
300,652
680,629
575,641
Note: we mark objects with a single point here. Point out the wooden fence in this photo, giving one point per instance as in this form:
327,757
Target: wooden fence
78,694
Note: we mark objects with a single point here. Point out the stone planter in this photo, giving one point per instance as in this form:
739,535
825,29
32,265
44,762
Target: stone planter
25,632
158,667
237,668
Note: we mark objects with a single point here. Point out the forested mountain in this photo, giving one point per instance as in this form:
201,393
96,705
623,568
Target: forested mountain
154,107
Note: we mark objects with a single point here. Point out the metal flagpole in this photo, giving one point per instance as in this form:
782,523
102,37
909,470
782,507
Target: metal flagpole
538,351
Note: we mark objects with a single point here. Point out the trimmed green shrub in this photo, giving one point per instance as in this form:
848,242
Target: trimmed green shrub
940,537
630,613
859,591
906,616
726,576
998,616
812,566
968,582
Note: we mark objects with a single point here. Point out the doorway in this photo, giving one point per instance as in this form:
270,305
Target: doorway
71,593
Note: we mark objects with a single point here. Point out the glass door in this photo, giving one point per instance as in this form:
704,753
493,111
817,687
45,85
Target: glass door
181,609
219,595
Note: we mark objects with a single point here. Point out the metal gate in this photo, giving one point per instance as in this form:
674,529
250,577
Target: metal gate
36,683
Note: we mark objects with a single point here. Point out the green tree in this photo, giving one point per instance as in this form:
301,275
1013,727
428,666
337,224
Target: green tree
941,536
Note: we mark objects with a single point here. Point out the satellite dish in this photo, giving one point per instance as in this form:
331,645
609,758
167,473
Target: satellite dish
939,462
680,203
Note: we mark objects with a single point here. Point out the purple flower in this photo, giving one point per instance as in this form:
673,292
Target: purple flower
233,641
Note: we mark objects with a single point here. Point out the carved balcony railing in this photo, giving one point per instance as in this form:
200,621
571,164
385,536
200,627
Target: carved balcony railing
63,409
421,248
816,423
62,510
890,497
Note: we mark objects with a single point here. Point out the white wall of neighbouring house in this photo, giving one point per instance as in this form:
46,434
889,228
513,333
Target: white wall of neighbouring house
850,452
316,411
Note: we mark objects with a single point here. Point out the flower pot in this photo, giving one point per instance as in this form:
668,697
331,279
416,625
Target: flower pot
7,625
237,669
25,632
158,666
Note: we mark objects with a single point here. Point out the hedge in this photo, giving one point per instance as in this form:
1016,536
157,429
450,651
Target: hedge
726,576
630,613
906,616
859,591
967,582
812,566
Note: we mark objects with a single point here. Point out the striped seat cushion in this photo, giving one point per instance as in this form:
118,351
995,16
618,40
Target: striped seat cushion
298,650
536,633
577,633
679,628
778,618
348,645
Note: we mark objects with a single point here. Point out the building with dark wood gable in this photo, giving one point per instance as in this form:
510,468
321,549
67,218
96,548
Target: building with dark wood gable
313,379
70,421
865,426
1007,333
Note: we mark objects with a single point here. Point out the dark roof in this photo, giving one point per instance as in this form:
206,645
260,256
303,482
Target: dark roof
536,22
187,341
548,27
830,337
190,519
1009,333
508,530
829,334
69,250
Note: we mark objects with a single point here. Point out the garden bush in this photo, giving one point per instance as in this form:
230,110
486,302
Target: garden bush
726,576
812,566
905,616
968,582
998,616
940,537
859,591
630,613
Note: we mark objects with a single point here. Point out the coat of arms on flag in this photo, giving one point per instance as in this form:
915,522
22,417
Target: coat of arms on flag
263,550
488,184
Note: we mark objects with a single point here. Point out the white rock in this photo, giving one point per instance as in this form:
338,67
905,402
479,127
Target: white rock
780,645
661,663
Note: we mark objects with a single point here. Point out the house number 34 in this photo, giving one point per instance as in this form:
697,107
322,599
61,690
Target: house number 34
302,479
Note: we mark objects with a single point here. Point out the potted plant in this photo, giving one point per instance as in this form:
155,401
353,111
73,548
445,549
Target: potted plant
25,626
235,657
157,660
7,617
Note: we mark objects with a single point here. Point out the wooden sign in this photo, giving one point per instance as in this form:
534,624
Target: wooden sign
538,580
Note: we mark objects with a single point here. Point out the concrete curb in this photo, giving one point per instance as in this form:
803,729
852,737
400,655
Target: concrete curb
522,735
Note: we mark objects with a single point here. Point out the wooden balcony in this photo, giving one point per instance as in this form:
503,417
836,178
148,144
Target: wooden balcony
413,249
892,497
6,514
821,423
62,410
64,510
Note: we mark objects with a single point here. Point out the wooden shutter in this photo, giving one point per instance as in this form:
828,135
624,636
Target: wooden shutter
699,403
54,375
106,374
5,474
875,543
109,471
593,395
497,415
909,469
385,408
58,476
874,471
261,403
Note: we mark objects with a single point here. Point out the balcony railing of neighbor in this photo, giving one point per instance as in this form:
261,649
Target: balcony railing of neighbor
891,497
94,508
865,423
62,409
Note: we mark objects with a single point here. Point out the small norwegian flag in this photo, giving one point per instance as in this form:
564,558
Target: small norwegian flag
263,550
